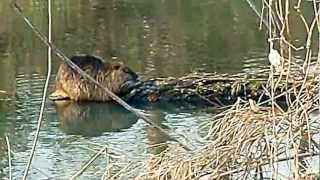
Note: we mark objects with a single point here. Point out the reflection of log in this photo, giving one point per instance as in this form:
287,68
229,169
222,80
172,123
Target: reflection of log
92,119
196,89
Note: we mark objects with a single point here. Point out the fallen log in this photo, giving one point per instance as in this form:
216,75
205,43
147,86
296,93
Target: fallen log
197,88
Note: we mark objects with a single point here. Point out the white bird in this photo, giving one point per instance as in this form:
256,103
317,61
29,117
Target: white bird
275,58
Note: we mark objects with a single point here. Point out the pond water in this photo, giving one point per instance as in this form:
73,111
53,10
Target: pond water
156,38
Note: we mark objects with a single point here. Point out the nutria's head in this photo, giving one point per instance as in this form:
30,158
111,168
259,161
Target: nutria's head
120,77
71,85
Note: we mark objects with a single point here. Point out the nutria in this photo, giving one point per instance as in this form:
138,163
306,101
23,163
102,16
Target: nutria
71,85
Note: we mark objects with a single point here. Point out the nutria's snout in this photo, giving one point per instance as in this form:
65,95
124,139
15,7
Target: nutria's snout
126,73
132,75
113,75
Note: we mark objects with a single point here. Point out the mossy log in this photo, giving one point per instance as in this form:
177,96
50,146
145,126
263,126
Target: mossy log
211,89
196,88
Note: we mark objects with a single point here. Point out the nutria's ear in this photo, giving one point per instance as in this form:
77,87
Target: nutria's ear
116,65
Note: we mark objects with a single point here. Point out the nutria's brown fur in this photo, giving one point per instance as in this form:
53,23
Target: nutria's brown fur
71,85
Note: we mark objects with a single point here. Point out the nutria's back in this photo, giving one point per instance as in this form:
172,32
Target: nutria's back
71,85
86,60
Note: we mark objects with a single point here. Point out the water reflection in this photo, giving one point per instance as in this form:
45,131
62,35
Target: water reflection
93,119
156,139
4,43
3,153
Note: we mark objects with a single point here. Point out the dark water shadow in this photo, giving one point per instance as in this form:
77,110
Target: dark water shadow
93,119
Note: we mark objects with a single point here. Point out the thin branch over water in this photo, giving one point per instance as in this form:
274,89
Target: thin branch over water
44,96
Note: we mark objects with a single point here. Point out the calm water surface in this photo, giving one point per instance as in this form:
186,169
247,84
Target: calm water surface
154,37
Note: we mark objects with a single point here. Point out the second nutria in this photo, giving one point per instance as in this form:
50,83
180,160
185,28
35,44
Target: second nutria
71,85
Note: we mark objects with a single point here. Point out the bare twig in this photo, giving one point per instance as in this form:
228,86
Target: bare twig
9,158
87,165
36,136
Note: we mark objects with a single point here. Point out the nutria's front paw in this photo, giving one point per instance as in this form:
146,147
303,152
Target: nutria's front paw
58,95
129,86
